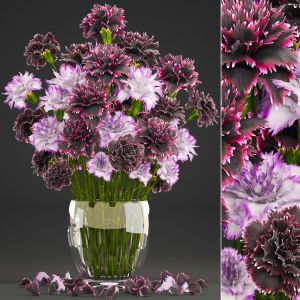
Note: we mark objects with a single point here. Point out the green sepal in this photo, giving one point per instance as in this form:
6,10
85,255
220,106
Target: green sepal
136,107
173,96
106,36
32,98
60,114
291,156
47,57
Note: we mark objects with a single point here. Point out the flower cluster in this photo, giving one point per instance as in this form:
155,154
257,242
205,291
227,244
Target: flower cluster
260,148
110,114
138,286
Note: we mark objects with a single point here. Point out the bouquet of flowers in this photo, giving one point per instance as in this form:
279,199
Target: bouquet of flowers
109,124
261,149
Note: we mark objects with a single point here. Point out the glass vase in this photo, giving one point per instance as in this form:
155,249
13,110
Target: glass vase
108,241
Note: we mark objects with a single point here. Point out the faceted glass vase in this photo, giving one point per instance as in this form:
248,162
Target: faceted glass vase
108,241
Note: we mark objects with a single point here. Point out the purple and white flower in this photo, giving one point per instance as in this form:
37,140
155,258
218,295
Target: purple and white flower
258,188
55,98
18,89
56,286
185,144
42,278
236,283
67,77
46,134
100,166
142,85
143,173
169,170
115,126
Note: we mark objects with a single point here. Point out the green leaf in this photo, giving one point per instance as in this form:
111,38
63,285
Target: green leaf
32,98
60,114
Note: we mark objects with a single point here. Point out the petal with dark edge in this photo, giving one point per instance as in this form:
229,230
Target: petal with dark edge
276,94
270,56
266,282
242,78
252,233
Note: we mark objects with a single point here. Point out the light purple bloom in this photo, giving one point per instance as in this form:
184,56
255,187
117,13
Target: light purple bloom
42,278
67,77
115,126
55,98
143,173
236,284
142,85
167,283
18,89
46,134
57,285
185,144
100,166
169,170
271,184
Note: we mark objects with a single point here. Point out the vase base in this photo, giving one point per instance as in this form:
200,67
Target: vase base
105,282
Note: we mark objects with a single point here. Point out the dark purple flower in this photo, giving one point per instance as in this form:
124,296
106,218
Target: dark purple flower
24,122
205,108
161,186
58,175
103,16
255,46
168,109
141,48
107,64
40,161
38,45
273,251
89,101
33,287
158,138
126,153
177,73
195,289
75,53
25,281
138,286
74,291
78,138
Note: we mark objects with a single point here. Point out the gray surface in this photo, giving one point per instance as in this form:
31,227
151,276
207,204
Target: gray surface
184,224
12,292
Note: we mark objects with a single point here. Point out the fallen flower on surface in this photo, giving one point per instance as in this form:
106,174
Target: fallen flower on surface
138,286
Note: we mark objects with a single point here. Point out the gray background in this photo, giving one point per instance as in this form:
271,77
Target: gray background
184,223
